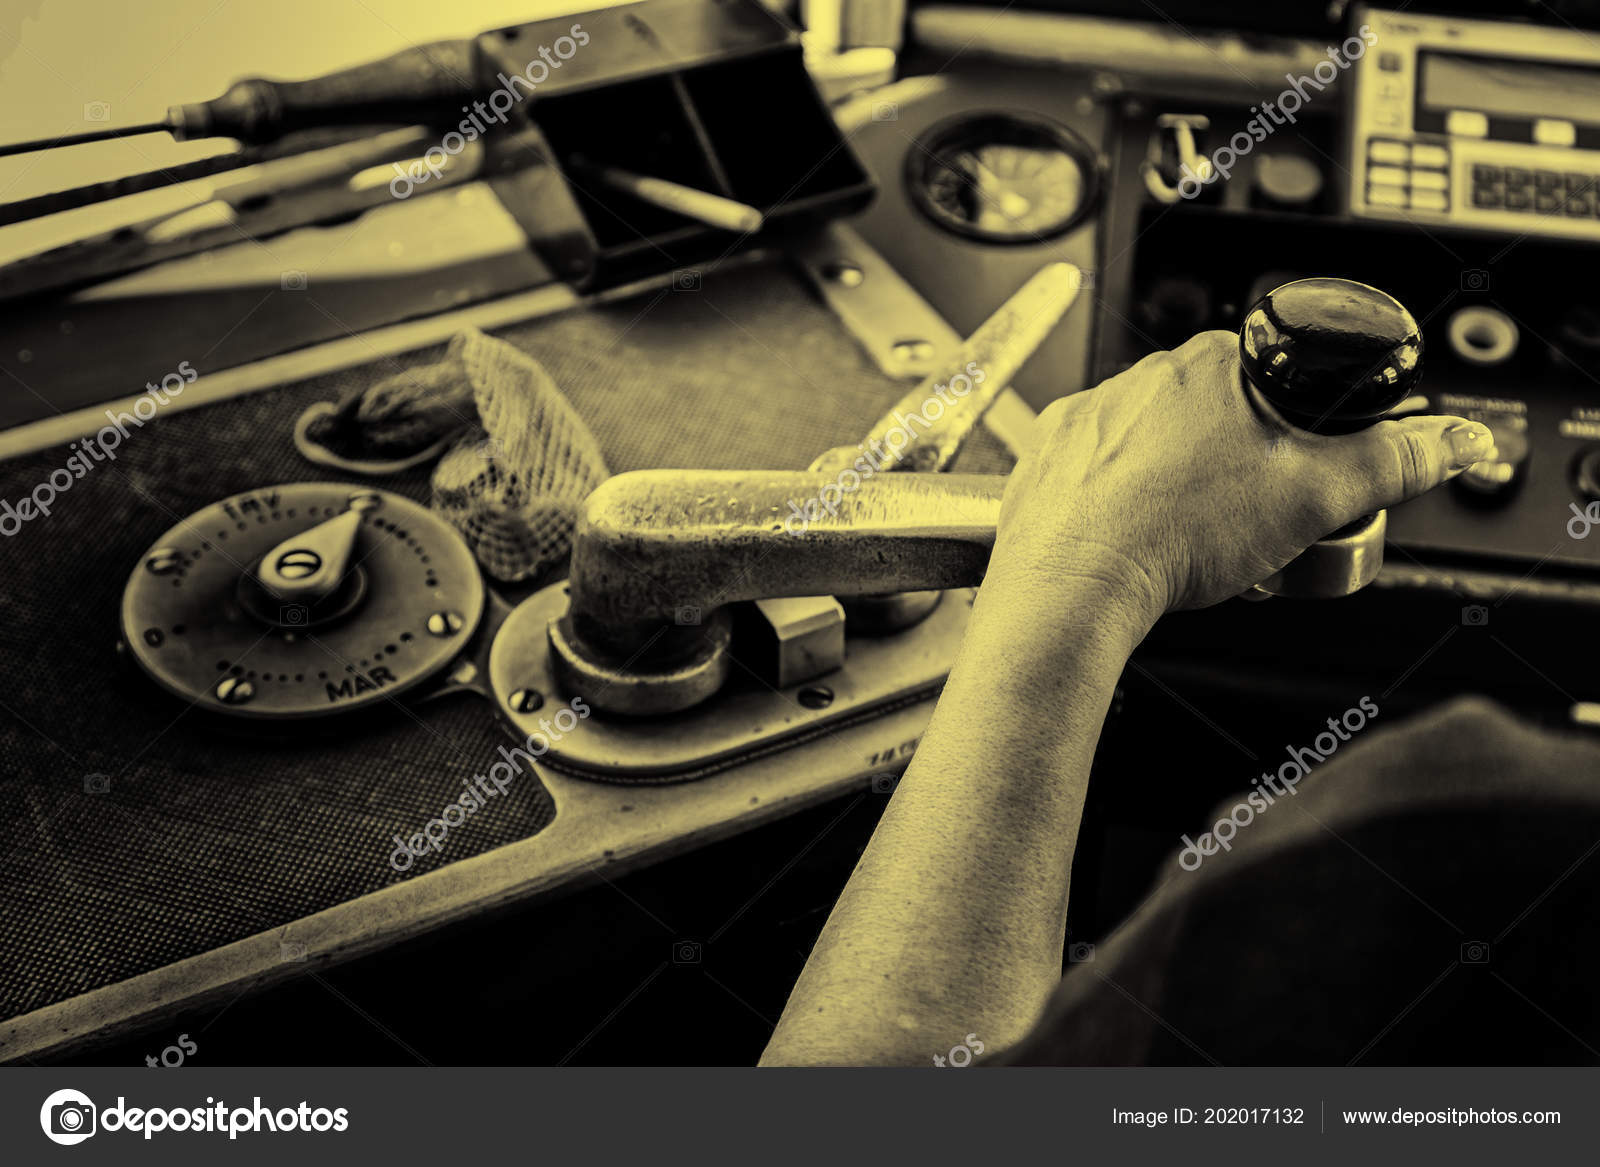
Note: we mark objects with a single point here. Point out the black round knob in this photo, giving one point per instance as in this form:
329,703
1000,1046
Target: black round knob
1331,355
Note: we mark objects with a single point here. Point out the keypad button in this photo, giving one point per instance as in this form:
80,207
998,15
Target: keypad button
1484,173
1546,179
1486,197
1429,180
1547,203
1578,182
1518,200
1382,153
1515,176
1580,206
1386,196
1466,123
1429,200
1433,157
1386,176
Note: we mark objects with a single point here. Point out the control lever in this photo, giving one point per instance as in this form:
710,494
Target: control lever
1331,356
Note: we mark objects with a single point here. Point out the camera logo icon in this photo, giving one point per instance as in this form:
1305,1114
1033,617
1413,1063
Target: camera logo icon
293,281
686,952
687,615
886,111
1080,953
1475,952
1474,615
686,280
96,783
96,111
294,615
885,783
67,1117
1474,279
291,952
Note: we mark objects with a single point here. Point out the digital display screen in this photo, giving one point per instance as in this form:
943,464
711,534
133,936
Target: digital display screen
1517,89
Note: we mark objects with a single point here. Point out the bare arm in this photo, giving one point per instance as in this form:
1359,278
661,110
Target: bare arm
1161,489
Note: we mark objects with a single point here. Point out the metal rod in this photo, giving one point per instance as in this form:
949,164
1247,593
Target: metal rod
10,148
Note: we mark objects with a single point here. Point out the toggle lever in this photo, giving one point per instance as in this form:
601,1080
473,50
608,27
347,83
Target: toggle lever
1331,356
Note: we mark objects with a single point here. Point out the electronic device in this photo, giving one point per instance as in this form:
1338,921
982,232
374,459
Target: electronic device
1474,124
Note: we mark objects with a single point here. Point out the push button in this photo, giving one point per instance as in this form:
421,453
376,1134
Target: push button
1433,157
1385,153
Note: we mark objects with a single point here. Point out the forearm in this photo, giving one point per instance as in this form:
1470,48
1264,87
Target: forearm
953,922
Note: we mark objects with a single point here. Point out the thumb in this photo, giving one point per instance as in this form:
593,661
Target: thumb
1397,460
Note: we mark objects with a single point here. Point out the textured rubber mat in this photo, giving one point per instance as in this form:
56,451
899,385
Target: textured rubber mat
136,835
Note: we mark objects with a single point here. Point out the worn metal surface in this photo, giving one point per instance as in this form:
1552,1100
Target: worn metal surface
926,428
195,618
748,720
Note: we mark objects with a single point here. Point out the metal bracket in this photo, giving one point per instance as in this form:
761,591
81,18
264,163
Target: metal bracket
747,720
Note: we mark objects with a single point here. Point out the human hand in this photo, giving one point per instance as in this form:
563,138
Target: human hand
1167,488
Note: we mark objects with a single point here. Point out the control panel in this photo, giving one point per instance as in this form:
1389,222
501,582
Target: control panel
1475,124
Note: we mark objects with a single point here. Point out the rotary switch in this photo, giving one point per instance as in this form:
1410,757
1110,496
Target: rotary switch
303,600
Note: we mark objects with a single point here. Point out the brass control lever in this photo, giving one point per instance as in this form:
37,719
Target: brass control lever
1329,355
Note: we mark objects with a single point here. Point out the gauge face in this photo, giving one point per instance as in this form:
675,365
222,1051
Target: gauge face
1003,178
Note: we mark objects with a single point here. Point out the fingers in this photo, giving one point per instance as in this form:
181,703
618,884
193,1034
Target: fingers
1397,460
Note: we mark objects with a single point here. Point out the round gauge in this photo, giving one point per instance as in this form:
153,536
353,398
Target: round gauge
1003,177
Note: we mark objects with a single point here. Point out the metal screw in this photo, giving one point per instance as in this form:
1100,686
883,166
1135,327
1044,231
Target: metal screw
913,351
444,623
366,500
815,696
164,561
298,563
234,691
526,700
845,274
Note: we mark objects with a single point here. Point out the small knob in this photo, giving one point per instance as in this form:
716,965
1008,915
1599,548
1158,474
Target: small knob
1331,355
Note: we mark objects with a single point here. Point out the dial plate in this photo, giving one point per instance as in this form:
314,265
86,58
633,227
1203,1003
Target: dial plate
196,622
1003,178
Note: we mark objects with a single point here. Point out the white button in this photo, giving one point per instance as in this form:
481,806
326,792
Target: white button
1386,176
1434,157
1429,200
1386,196
1466,123
1393,153
1429,180
1550,132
